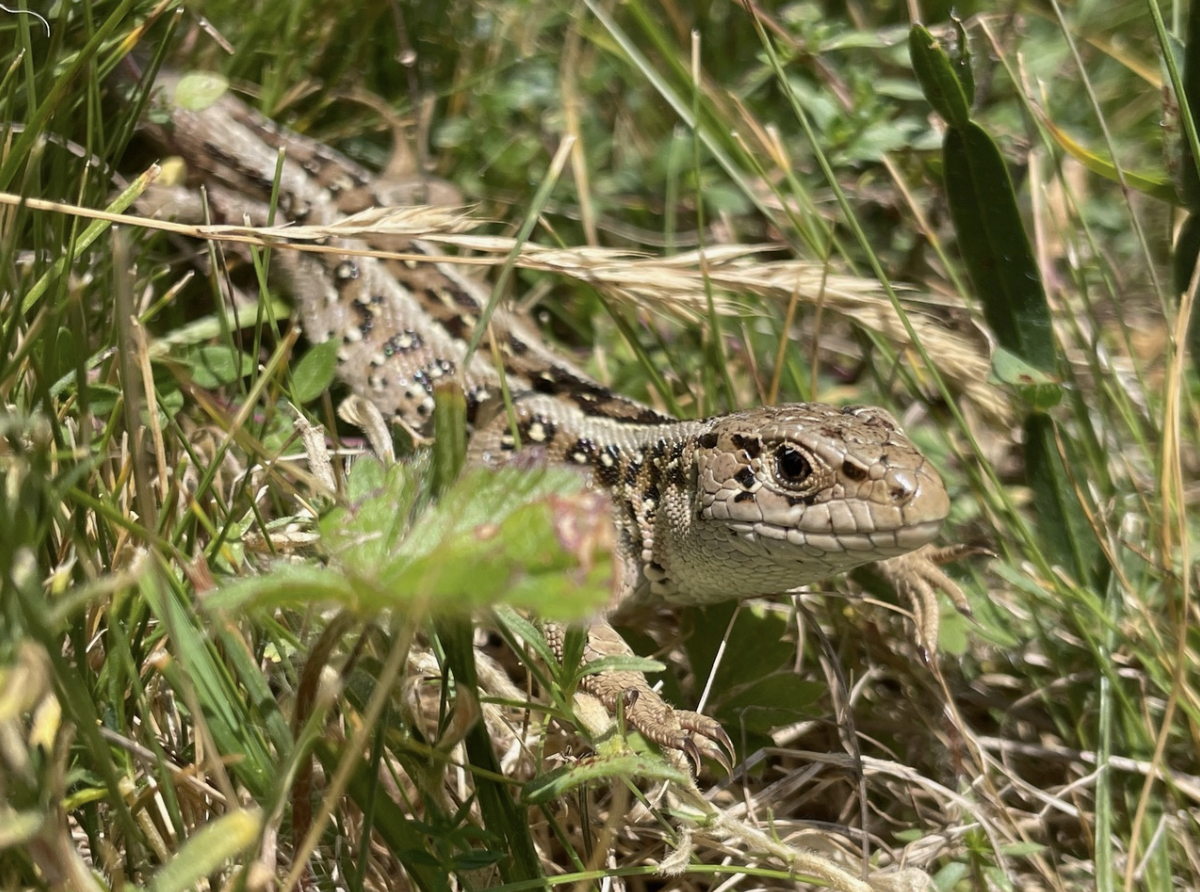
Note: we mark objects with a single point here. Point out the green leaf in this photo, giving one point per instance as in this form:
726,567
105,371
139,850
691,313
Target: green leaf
208,848
197,90
939,78
759,637
1157,186
314,372
214,365
622,663
535,539
367,477
767,703
995,248
1068,538
286,585
449,434
1187,249
596,769
19,828
1039,390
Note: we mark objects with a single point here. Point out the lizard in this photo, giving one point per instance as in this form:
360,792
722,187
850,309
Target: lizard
752,503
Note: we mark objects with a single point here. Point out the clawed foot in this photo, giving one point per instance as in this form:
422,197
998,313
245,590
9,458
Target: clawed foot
918,577
695,735
627,695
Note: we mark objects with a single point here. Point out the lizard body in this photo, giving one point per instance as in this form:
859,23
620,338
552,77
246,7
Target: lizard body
752,503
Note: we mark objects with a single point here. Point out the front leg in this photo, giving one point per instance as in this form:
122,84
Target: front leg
917,577
696,736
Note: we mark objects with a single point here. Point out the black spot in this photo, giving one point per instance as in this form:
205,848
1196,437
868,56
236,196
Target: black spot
608,466
364,317
745,478
801,500
518,347
432,373
649,416
582,451
751,445
854,472
403,342
475,398
462,298
743,497
708,440
548,429
675,475
218,153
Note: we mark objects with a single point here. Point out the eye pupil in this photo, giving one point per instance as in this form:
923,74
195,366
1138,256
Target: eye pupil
791,466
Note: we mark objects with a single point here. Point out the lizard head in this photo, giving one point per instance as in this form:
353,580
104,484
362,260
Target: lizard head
790,495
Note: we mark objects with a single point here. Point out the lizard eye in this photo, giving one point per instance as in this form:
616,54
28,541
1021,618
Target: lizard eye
792,467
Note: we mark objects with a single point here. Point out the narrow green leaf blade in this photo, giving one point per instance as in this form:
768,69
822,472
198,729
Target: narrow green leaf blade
995,248
938,78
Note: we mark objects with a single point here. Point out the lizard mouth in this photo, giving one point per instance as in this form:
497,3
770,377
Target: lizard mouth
789,545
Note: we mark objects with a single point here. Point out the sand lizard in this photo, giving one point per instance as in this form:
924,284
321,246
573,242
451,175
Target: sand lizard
748,504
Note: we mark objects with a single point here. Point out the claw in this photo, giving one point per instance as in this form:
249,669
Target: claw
727,748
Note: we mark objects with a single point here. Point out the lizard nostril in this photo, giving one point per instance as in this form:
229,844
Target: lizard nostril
902,487
853,472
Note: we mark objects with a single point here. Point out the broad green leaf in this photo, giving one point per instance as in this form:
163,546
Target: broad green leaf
760,706
286,585
535,539
314,372
214,365
197,90
758,638
1039,390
